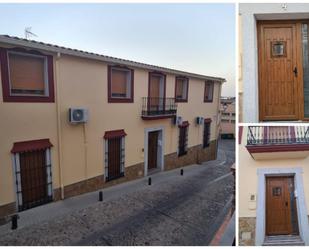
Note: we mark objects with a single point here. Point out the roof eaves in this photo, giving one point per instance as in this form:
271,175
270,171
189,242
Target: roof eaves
94,56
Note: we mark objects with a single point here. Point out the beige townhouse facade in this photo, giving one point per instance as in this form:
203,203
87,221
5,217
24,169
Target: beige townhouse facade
273,185
74,122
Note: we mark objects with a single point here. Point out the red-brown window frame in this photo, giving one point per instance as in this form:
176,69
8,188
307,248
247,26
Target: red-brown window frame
109,92
7,97
240,131
187,90
212,93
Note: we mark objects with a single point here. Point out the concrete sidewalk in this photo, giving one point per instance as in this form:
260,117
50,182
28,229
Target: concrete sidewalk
228,236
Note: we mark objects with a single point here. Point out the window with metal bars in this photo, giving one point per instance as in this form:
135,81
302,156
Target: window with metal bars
183,140
206,134
33,177
114,158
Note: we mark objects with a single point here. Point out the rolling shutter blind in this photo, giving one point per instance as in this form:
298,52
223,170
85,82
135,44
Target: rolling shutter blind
155,86
179,89
119,82
26,73
209,90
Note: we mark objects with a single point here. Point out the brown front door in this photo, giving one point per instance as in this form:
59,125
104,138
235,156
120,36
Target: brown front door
153,149
114,154
33,176
279,71
280,208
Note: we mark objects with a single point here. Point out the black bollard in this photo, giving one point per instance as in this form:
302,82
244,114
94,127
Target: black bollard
100,196
149,181
14,222
181,172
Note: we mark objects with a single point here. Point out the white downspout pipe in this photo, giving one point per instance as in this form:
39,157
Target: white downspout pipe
59,127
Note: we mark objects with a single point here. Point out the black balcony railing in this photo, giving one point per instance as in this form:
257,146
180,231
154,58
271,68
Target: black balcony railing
266,135
158,107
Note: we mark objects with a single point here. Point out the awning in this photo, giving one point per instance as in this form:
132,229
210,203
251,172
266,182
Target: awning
31,145
114,134
207,120
184,124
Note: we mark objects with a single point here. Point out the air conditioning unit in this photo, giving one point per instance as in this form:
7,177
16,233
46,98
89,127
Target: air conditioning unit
199,120
78,115
177,120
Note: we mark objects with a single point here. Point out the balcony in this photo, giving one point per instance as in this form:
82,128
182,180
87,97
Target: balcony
278,142
158,108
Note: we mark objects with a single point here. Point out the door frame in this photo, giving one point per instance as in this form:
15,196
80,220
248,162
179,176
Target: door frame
268,205
299,64
303,224
161,142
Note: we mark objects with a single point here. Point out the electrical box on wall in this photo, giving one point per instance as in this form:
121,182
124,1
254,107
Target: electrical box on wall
252,202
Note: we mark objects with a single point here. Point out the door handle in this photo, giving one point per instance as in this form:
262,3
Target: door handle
286,204
295,71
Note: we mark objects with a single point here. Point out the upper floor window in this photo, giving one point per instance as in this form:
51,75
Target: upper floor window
26,76
209,90
181,89
120,84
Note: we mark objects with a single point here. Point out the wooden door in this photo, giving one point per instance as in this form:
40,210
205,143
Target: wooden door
278,206
153,149
279,73
182,140
114,154
33,178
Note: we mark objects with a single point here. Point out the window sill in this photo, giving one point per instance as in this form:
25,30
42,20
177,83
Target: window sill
29,99
120,100
181,100
208,101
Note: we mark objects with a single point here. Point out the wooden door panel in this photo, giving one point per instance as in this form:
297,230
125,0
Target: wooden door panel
114,154
33,177
152,149
278,85
278,212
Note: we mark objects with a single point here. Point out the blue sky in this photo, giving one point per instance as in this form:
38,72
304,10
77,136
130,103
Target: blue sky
198,38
